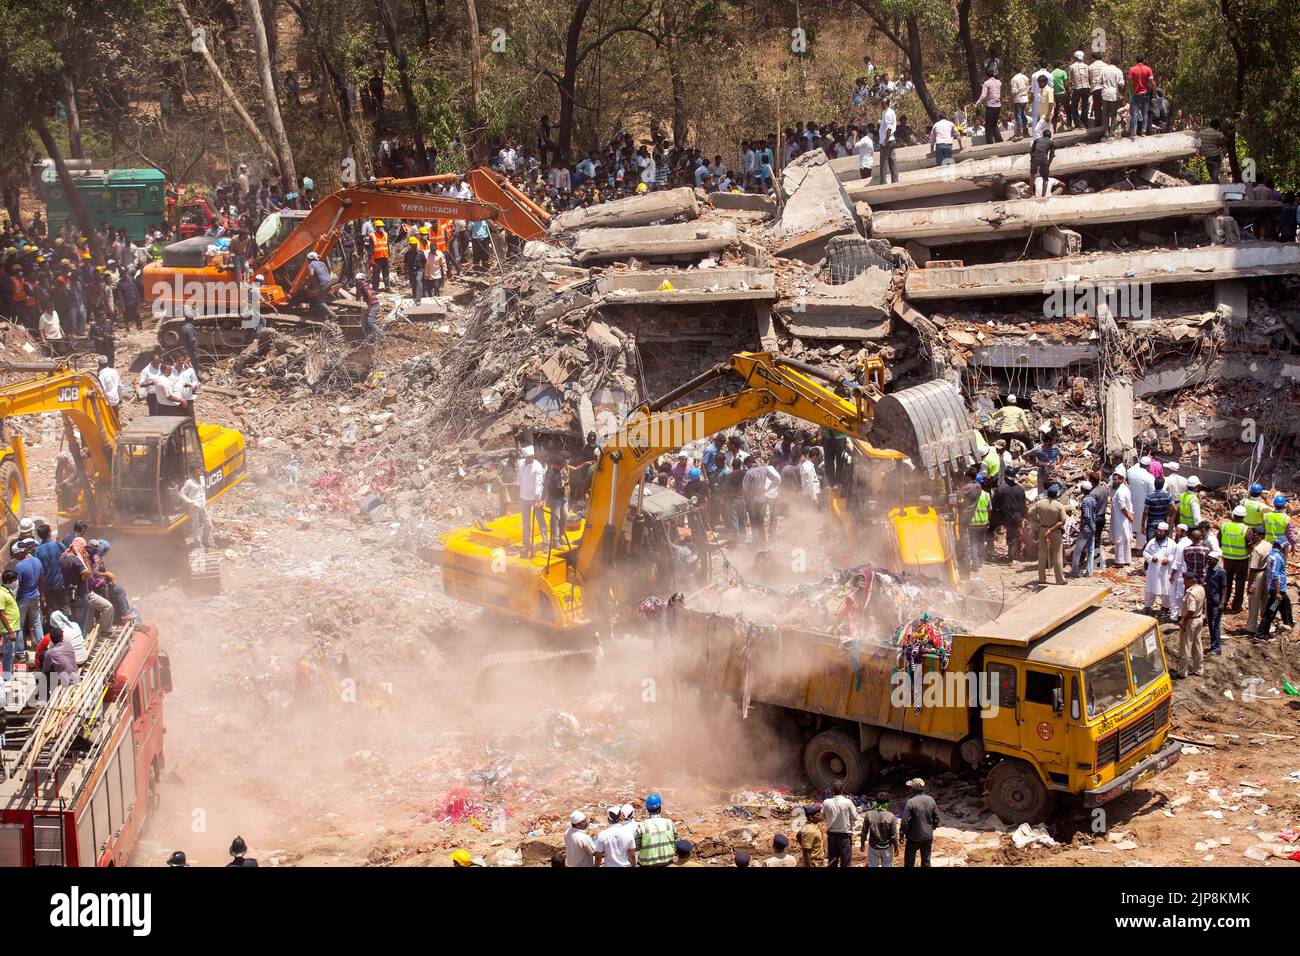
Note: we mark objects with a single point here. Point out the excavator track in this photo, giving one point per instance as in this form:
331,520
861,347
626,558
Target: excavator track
224,334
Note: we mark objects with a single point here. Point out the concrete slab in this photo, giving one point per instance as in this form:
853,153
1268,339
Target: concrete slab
1232,300
859,308
1019,217
745,202
959,177
651,242
816,208
704,285
921,156
1117,416
663,206
1035,277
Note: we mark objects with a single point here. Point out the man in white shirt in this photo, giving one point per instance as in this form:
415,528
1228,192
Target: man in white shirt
865,147
165,392
1020,102
809,483
111,382
148,375
942,135
613,842
578,848
51,331
1037,88
195,496
1112,85
888,125
529,478
509,159
187,384
1080,90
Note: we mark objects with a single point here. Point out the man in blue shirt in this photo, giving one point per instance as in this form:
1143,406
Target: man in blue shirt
1275,587
29,593
478,240
47,552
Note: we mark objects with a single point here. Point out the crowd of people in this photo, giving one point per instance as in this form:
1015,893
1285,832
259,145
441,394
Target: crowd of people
1152,515
825,832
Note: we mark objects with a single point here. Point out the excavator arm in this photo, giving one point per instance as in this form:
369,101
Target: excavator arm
498,200
80,399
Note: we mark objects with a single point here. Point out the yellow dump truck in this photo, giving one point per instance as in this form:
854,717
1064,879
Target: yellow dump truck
1056,696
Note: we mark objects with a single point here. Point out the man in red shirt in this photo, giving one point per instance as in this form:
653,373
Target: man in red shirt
1141,81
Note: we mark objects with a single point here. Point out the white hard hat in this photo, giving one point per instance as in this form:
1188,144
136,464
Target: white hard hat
628,811
259,278
1144,461
526,451
1239,511
1171,466
1011,399
576,817
26,526
1193,482
312,255
360,276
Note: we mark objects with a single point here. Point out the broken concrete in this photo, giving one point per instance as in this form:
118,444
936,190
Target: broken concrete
1243,261
1232,300
959,177
1061,242
745,202
685,288
1222,230
856,309
1022,216
654,242
643,210
1117,416
816,208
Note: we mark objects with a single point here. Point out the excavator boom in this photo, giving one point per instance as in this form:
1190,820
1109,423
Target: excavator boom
942,437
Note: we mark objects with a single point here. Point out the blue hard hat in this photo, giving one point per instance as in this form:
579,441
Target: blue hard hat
693,473
1257,489
653,802
980,479
1279,501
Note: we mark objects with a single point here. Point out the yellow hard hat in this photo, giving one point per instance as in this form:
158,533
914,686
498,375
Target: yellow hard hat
462,858
379,222
642,188
85,255
424,230
414,240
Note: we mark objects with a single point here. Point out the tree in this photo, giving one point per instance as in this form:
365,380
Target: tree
404,80
885,16
283,152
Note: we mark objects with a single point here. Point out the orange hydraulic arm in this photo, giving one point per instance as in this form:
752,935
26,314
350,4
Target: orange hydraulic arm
80,399
498,200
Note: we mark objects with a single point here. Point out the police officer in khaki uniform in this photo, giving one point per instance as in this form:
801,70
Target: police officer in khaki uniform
1048,516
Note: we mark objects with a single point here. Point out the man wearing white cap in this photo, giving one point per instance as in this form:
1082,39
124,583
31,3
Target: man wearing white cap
1182,541
1189,506
1121,518
578,848
613,842
1140,484
1080,90
1175,483
1011,421
1159,554
529,479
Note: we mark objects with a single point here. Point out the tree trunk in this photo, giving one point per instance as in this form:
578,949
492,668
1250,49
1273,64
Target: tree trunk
1231,17
973,72
268,10
475,145
568,82
916,65
283,153
404,80
426,31
79,211
74,118
225,85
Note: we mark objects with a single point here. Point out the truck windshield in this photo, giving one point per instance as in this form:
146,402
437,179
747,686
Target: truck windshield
1107,684
1145,659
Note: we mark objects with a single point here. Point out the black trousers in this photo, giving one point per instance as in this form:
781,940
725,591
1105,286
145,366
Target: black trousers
1279,603
839,850
1235,593
991,132
914,848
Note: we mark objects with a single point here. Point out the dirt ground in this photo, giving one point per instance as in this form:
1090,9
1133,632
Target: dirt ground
329,708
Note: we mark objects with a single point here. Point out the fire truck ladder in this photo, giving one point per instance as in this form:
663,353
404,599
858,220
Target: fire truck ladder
73,709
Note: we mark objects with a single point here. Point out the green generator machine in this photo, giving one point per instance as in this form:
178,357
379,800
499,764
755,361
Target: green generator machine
130,199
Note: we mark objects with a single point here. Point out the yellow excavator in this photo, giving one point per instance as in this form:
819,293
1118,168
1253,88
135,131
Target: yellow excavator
123,479
571,588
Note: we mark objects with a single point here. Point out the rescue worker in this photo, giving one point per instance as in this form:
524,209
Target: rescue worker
320,273
1011,421
1256,577
1256,507
379,258
979,523
1189,505
1048,516
812,845
238,853
1216,586
1236,557
1278,601
1191,627
413,263
655,836
1276,523
991,464
370,324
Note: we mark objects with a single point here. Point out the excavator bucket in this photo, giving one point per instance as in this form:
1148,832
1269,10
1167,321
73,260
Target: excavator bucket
928,423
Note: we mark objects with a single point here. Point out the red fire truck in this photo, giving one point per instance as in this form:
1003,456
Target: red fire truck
80,765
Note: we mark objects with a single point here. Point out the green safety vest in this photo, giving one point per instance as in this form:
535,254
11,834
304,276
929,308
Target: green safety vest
1232,541
992,462
1255,511
655,839
1185,508
981,517
1275,525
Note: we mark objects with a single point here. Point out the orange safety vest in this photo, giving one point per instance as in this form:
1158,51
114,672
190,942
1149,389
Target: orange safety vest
441,237
423,242
380,239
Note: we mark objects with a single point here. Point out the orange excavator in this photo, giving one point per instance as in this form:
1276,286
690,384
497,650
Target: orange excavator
191,274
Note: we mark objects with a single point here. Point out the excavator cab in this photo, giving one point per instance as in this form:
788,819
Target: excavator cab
153,458
665,545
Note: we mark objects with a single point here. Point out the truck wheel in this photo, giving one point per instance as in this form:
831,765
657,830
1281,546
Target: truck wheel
169,336
833,756
1017,794
14,490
